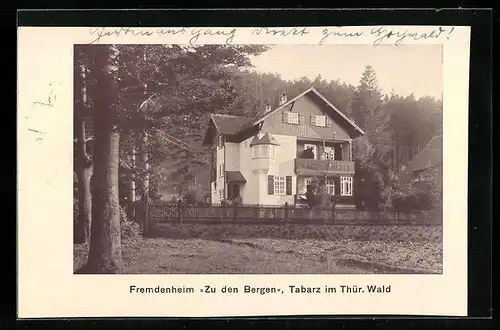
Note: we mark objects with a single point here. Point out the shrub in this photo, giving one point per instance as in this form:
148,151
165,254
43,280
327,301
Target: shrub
190,197
412,199
128,229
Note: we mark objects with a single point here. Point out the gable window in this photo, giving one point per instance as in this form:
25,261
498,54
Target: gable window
330,187
293,118
279,185
346,186
318,120
290,117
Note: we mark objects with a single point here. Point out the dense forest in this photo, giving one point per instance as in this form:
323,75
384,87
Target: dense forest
141,110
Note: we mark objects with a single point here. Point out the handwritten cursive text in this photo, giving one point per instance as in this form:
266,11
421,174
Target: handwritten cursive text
102,32
327,33
281,32
382,33
196,33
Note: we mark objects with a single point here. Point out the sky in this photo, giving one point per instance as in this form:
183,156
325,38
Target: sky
405,69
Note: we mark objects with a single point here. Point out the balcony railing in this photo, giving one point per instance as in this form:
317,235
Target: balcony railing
315,166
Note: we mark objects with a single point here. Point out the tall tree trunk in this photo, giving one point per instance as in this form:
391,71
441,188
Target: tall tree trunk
82,164
132,190
105,243
83,172
144,187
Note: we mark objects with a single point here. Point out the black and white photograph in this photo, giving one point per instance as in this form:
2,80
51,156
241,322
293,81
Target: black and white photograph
243,172
258,159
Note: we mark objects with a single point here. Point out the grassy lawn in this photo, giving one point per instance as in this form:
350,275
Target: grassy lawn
272,255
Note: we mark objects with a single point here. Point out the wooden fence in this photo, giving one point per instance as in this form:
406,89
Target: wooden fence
258,214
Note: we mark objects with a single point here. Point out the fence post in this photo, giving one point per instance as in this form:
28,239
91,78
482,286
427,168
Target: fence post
333,214
196,207
180,211
287,221
286,212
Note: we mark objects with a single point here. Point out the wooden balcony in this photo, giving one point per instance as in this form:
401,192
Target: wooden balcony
321,167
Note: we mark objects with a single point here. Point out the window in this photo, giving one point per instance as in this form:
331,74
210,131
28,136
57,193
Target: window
330,187
329,153
293,118
221,170
346,186
264,151
318,120
307,183
220,142
279,185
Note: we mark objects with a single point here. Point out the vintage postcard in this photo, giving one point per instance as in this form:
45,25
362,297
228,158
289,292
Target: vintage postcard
242,171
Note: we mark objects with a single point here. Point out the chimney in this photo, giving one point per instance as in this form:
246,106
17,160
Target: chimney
283,98
267,107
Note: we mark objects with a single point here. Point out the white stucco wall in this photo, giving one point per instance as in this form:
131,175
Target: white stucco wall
249,190
284,165
220,181
232,156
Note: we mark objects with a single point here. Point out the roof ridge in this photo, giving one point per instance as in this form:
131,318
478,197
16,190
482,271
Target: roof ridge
225,115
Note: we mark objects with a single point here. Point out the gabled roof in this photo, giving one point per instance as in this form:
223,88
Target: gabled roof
254,141
266,139
224,124
228,124
357,129
429,157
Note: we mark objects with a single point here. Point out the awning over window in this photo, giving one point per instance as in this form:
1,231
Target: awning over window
235,177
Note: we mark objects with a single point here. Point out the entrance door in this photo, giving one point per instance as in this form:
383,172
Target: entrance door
329,153
233,190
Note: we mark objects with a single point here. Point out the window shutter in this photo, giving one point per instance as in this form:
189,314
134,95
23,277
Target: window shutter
285,116
288,185
301,118
270,185
313,120
328,122
336,181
